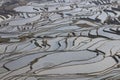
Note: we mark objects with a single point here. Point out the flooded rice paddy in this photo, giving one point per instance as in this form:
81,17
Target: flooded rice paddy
60,40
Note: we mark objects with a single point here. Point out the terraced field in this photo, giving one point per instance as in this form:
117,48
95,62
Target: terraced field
60,40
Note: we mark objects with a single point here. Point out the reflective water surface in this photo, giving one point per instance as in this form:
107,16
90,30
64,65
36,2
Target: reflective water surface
59,39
